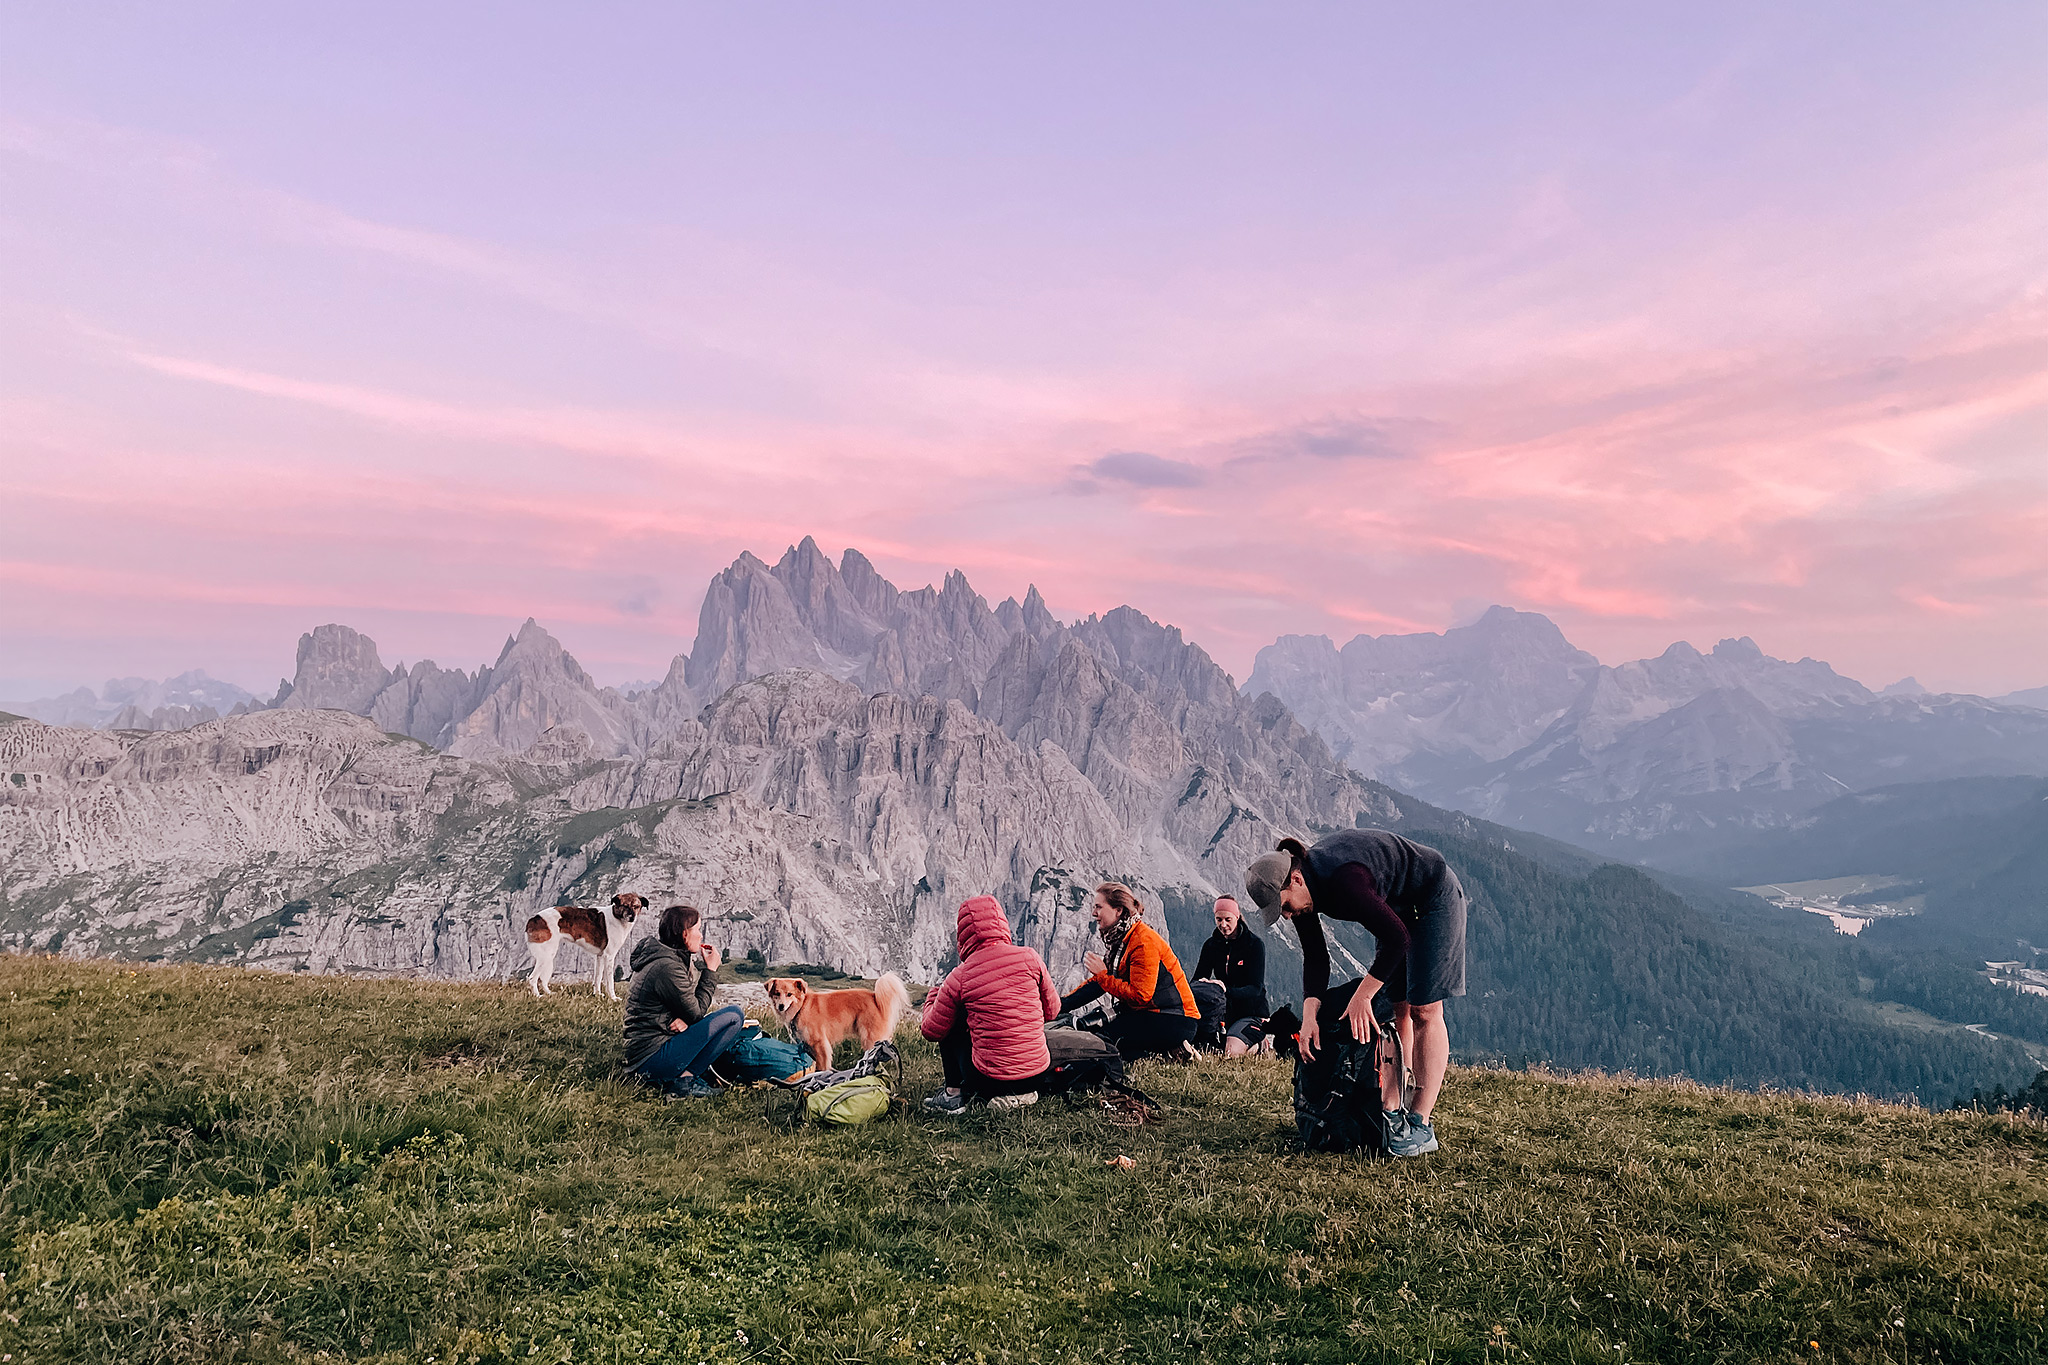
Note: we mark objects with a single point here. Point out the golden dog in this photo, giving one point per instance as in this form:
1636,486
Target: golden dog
821,1020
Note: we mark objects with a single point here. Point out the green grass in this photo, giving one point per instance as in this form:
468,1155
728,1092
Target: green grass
203,1164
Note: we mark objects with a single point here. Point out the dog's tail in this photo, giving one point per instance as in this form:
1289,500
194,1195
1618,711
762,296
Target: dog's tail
894,998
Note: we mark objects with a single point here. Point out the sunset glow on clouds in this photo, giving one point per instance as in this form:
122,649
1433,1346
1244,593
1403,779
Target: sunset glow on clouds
1735,327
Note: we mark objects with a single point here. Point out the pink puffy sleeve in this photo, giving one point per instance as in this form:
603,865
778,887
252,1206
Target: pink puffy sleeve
940,1008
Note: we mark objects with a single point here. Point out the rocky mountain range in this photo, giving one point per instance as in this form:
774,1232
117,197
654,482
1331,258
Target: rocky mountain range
838,762
1652,759
834,766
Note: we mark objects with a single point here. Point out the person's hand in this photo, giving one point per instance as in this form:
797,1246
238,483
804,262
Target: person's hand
676,1026
1093,964
1311,1034
1358,1014
711,958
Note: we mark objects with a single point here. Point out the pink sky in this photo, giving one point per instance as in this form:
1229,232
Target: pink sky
1306,322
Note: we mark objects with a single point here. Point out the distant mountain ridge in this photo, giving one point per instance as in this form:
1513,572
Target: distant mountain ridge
1507,720
141,704
2036,697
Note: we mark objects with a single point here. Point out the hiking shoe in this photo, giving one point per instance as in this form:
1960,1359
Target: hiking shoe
1416,1138
1014,1101
690,1088
939,1102
1194,1054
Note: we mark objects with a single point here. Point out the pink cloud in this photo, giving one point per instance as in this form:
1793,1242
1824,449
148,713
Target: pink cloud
1828,436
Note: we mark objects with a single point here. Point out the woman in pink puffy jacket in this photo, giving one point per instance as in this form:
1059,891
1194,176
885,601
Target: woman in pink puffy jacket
989,1015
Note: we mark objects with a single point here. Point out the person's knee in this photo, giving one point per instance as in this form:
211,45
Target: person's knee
1428,1016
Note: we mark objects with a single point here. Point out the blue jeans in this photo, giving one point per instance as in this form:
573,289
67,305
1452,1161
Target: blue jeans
695,1048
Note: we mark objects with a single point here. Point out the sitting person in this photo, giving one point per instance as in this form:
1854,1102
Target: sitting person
1155,1009
1230,981
988,1016
672,1033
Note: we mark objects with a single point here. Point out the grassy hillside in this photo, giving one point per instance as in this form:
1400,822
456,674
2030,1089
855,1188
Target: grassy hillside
202,1164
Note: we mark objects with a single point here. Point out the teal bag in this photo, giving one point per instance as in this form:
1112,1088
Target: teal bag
754,1056
850,1102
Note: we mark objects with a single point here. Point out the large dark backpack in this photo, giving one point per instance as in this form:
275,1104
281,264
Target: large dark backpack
1081,1060
1337,1094
1084,1062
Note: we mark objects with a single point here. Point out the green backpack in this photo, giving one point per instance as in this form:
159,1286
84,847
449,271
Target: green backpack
849,1102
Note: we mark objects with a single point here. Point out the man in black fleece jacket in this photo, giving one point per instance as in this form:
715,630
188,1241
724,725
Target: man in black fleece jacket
672,1033
1409,899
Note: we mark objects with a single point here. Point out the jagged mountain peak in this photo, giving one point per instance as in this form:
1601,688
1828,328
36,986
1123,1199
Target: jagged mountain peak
338,669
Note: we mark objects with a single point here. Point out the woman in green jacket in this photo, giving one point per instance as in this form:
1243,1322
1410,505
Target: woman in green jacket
673,1035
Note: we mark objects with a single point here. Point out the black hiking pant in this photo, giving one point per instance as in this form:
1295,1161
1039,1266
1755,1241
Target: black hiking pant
956,1052
1148,1033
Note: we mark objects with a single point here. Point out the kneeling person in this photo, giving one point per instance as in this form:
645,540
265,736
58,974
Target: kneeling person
673,1035
989,1015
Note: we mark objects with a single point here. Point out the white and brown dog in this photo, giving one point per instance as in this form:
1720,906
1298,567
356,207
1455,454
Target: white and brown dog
592,930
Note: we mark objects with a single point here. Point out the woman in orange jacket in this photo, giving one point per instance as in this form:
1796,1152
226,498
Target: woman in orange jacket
1156,1012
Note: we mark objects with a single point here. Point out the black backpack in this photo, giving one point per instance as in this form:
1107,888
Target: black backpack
1084,1062
1081,1060
1337,1094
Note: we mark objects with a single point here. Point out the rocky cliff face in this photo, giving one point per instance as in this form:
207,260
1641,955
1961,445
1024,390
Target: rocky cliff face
810,820
338,669
536,690
1506,720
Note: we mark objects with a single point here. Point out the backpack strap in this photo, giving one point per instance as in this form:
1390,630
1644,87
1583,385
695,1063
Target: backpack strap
1390,1038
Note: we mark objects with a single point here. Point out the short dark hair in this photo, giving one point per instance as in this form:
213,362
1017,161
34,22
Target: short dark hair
676,921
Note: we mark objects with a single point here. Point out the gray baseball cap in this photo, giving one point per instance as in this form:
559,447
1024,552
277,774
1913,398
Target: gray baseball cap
1264,880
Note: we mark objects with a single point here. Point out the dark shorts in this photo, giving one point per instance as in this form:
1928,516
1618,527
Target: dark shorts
1436,946
1250,1032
